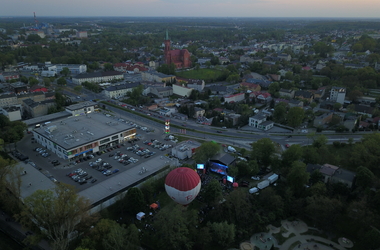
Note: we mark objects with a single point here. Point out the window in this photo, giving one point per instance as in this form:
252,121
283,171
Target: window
104,141
115,137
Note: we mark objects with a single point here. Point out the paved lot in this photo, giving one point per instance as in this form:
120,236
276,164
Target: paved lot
59,173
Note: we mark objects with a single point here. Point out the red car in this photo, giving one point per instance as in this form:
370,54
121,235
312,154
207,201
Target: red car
287,145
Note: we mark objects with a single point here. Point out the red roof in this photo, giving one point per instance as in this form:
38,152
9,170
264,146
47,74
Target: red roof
182,179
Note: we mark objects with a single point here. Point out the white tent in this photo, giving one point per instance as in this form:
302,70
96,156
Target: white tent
140,215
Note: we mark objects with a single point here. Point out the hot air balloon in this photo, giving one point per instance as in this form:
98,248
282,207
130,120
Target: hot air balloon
183,185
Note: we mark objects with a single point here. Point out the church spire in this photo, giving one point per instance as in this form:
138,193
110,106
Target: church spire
167,35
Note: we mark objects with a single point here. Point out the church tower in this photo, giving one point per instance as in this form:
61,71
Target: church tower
167,49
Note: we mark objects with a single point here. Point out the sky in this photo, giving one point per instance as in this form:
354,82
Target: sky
193,8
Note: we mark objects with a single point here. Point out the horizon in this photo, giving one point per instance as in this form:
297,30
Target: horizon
196,8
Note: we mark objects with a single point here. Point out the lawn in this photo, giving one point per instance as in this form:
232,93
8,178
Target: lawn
203,74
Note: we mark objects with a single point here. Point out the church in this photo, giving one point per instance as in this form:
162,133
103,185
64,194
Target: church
180,57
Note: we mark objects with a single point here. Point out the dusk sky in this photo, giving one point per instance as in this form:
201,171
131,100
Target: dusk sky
193,8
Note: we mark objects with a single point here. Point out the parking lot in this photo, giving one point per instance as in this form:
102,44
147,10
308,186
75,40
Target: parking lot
94,168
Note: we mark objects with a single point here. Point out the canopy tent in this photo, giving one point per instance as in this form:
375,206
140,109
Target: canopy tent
154,205
140,215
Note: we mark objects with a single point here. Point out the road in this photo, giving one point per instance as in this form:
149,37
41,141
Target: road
230,136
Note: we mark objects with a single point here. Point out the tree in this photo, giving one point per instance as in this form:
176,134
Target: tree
78,89
56,212
172,229
212,192
337,106
223,234
108,67
65,71
263,150
323,210
298,177
33,81
206,151
320,141
354,95
134,200
295,116
364,177
292,154
61,81
279,113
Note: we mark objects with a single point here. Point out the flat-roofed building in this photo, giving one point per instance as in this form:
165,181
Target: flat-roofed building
77,136
81,108
98,77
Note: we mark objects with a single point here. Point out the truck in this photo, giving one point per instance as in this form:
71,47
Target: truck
253,190
273,178
263,184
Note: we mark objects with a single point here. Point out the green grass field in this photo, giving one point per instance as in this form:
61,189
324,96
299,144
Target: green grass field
203,74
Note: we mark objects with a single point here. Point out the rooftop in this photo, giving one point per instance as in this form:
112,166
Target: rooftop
74,131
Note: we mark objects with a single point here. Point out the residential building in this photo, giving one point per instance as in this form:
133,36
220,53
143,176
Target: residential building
77,136
121,90
338,94
74,68
37,108
7,76
287,92
82,34
323,119
8,100
260,121
12,112
192,83
250,86
157,77
181,90
159,92
234,98
262,97
233,117
198,112
98,77
304,95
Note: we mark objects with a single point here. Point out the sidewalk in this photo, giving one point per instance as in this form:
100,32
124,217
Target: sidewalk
14,230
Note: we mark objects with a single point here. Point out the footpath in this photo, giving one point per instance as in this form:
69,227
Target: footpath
295,233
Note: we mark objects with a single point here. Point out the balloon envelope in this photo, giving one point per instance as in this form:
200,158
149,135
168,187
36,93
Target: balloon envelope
182,185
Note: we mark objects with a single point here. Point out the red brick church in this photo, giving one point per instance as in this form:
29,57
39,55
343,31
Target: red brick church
180,57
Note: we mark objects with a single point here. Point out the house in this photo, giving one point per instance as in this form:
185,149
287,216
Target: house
319,93
250,86
7,76
285,57
198,112
234,98
160,92
192,83
166,112
363,110
304,95
260,121
224,60
36,109
263,97
287,92
233,117
344,176
295,103
323,119
338,94
217,89
328,170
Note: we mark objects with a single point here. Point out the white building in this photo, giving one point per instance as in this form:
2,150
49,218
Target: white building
181,90
119,91
81,108
77,136
12,112
98,77
338,94
74,68
234,98
260,121
185,149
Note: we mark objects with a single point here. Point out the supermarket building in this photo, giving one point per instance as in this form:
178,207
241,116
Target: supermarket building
87,133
